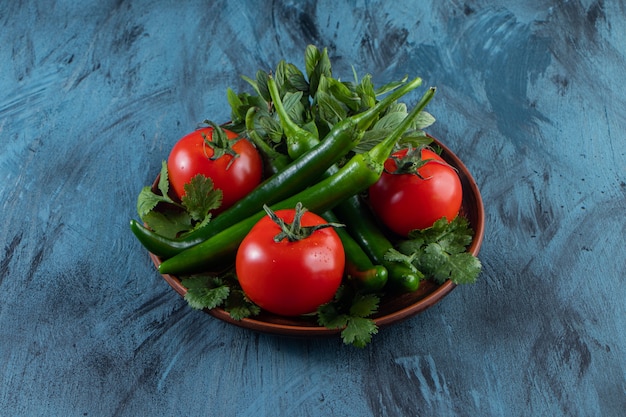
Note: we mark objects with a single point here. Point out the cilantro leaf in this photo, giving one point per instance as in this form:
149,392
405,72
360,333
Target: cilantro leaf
359,331
204,291
168,223
200,197
164,182
364,305
440,251
148,200
351,311
239,307
460,268
328,316
453,237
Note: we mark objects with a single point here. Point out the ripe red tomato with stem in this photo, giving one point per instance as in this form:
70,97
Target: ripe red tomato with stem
291,262
233,163
416,189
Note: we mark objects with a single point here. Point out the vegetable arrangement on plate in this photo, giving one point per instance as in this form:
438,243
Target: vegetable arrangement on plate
317,199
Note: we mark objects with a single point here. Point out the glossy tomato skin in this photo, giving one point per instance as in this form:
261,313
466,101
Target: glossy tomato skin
290,278
191,156
405,202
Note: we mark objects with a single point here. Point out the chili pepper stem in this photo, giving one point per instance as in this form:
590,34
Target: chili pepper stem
381,151
298,139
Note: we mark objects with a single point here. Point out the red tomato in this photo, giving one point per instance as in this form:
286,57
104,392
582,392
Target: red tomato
236,178
406,202
290,278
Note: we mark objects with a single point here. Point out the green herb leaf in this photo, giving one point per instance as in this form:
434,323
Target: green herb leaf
453,237
364,305
168,223
261,84
238,112
460,268
390,120
350,311
359,332
322,69
200,197
329,109
148,200
328,316
205,291
164,182
424,120
239,307
311,58
293,106
440,251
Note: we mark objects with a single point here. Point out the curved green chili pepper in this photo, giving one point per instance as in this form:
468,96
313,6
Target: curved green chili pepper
359,267
363,228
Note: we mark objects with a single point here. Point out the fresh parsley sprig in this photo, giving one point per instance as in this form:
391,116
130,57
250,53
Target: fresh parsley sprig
173,218
440,251
351,311
220,290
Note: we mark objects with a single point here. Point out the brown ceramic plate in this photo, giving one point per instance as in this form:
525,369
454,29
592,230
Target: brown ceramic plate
392,309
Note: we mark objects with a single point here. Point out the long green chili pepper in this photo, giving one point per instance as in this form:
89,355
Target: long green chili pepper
295,177
363,228
361,171
360,269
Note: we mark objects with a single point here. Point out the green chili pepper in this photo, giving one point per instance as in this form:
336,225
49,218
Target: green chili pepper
363,228
299,140
295,177
361,171
359,267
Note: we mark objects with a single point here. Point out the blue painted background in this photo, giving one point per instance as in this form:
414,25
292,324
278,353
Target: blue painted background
530,95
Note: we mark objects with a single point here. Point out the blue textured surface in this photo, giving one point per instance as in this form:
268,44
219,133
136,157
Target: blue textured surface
531,97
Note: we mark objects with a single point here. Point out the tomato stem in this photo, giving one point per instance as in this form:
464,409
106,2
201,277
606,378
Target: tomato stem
220,143
294,231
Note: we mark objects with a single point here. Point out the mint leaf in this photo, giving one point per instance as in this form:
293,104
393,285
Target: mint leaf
294,107
205,291
329,109
200,197
424,120
311,58
415,139
390,120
